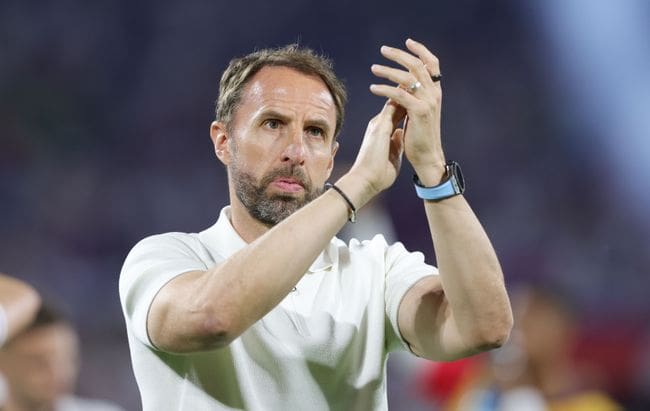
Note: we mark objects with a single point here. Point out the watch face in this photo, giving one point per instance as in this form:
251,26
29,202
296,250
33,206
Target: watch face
454,170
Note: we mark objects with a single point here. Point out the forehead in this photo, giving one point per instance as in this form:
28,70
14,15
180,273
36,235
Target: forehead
284,86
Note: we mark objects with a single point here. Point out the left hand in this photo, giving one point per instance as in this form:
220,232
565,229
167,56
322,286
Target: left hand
422,143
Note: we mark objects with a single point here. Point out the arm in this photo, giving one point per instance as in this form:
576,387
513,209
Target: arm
19,301
466,309
203,310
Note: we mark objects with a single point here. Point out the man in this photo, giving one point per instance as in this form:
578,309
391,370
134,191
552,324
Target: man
266,310
18,305
39,368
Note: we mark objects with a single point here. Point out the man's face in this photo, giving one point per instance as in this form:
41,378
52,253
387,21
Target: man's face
41,364
281,144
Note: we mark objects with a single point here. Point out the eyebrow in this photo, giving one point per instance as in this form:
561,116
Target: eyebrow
272,113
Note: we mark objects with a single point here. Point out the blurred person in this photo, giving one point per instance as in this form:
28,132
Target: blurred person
39,368
267,309
536,369
18,305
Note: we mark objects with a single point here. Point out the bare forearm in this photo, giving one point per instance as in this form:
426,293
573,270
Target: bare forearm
467,307
470,273
223,302
250,283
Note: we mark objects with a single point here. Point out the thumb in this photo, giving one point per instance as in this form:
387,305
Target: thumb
388,110
398,113
394,110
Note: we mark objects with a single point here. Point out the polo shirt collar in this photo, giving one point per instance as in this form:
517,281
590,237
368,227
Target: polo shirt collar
223,239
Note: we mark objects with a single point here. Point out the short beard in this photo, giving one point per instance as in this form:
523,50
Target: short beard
271,209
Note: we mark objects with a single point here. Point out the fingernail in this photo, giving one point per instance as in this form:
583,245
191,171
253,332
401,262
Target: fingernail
384,48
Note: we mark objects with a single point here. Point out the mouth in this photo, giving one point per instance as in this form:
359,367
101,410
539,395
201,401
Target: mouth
288,184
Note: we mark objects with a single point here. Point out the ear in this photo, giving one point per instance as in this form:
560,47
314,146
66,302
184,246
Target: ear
220,137
330,165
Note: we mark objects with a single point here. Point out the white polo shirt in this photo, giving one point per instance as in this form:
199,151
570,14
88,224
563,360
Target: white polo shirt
323,347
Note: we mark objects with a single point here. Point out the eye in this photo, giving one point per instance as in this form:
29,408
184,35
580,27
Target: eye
316,131
272,123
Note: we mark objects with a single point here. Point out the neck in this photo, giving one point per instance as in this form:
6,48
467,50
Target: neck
248,228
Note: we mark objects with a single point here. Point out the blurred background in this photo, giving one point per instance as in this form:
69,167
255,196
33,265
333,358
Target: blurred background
104,114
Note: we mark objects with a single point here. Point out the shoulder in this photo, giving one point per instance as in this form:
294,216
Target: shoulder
169,254
165,246
169,240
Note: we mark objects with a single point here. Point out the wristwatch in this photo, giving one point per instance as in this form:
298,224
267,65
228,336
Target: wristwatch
453,184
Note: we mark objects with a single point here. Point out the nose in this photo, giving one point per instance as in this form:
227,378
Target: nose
295,150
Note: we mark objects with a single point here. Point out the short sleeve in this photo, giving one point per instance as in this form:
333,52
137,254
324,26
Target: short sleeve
151,264
403,270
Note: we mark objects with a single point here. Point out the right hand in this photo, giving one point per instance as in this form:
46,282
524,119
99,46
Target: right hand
380,156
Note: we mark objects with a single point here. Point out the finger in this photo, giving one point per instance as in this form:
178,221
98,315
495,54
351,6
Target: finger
397,139
407,60
397,76
388,110
392,113
399,114
430,60
398,95
384,119
396,147
380,128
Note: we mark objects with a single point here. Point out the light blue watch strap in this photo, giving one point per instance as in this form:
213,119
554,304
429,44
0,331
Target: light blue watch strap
447,189
453,185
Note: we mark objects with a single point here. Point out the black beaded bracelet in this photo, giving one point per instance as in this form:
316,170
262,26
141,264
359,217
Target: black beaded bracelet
353,210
